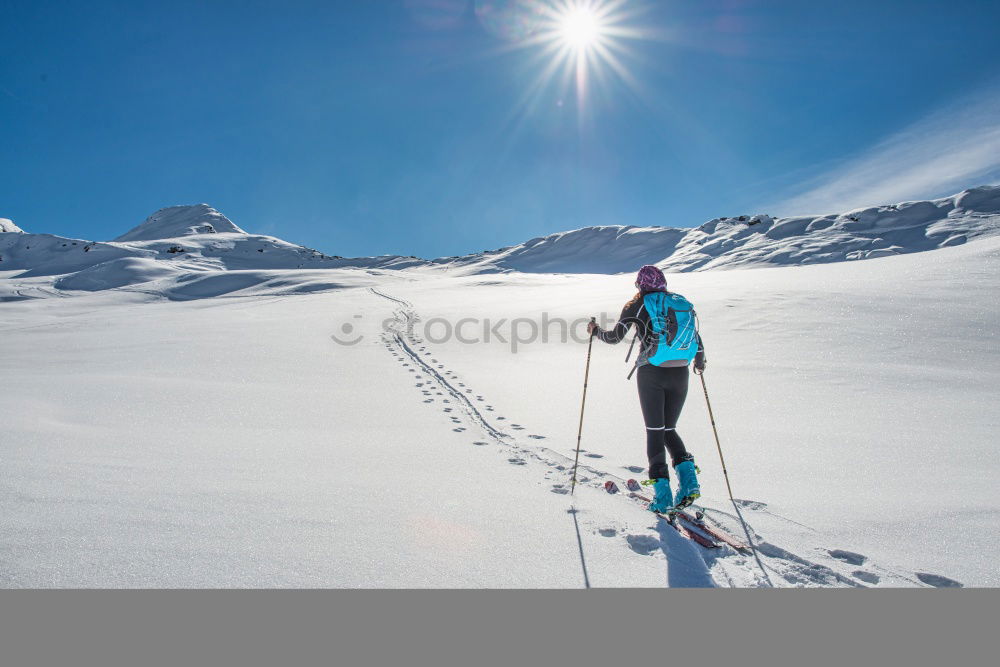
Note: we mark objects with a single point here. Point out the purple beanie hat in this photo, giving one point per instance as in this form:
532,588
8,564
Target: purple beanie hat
650,279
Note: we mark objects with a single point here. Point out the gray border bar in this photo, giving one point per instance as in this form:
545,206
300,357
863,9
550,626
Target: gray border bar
509,628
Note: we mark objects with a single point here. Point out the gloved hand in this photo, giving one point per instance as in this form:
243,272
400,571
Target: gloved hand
592,327
699,363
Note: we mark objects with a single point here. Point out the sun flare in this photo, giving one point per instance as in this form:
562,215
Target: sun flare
580,45
580,27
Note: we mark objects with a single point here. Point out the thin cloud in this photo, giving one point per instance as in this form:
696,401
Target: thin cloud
952,149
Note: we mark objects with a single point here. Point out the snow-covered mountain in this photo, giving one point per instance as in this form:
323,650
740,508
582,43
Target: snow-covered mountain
8,226
180,251
195,251
177,221
756,240
236,442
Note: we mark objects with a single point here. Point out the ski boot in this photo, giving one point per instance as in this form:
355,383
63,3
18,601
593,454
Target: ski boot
663,500
688,489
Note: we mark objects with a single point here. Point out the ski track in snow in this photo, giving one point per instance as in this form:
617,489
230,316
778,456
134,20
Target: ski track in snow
194,252
830,567
405,319
408,350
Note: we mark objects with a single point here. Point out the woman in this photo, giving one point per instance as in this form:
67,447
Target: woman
669,343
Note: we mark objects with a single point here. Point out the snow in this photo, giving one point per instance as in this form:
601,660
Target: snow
8,226
187,419
177,221
218,443
181,245
756,240
46,265
854,400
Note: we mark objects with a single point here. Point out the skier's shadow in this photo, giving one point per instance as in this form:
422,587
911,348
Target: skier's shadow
686,567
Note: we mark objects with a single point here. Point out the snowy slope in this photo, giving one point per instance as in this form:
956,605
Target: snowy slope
854,400
233,442
8,226
173,248
756,240
183,244
177,221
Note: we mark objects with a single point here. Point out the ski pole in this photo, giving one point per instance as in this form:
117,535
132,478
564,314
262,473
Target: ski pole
715,432
583,403
725,474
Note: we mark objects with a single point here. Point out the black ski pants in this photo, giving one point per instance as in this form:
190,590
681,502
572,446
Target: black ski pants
661,396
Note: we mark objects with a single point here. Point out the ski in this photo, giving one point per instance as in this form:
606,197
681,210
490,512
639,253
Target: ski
690,534
709,530
715,532
694,536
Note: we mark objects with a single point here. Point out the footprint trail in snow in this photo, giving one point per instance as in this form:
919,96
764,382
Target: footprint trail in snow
466,409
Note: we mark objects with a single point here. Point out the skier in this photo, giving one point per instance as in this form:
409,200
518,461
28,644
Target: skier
669,342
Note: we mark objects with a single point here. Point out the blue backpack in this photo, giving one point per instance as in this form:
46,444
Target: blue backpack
675,324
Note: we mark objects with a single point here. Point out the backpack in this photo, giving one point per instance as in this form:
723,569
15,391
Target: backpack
675,325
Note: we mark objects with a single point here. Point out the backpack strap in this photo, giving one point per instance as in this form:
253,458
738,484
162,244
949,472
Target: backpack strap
637,332
631,345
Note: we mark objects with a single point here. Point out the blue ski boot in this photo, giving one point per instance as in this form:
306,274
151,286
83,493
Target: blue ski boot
663,500
688,489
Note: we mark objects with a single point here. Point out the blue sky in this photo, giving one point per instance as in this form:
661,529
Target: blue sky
418,127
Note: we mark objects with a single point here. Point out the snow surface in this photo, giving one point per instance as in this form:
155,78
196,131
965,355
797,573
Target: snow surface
757,240
181,245
155,437
177,221
171,253
855,401
8,226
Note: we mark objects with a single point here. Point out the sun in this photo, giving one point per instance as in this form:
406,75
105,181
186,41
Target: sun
577,45
580,27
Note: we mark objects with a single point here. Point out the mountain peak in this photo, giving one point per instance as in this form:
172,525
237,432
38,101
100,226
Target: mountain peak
7,225
174,221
